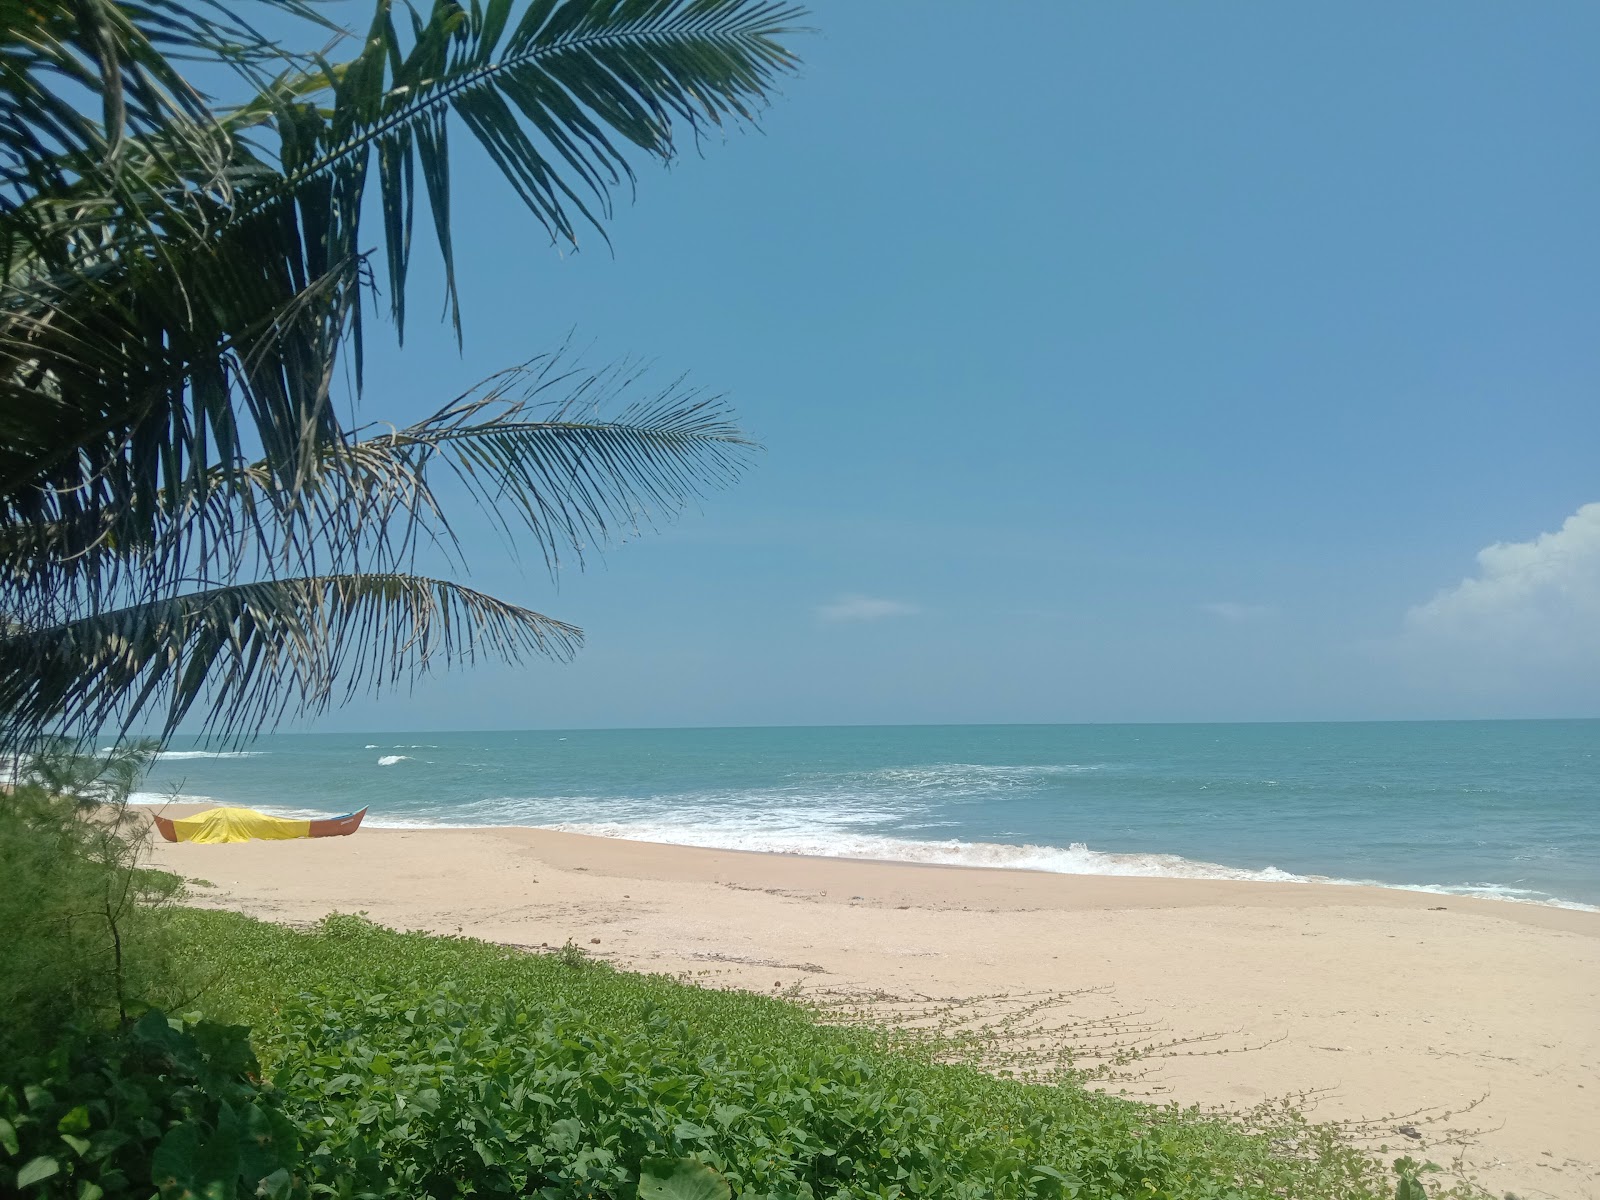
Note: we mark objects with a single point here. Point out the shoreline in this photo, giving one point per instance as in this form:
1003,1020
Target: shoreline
1237,875
1244,876
1434,892
1382,1002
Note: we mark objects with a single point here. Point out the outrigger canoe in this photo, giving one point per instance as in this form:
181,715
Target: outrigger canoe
243,824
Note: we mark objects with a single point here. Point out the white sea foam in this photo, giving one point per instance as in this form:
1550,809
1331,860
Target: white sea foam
1075,859
180,755
157,799
389,760
828,831
161,799
955,779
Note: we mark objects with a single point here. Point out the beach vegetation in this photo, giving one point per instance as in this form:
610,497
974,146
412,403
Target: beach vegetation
167,1105
575,956
417,1060
85,942
412,1064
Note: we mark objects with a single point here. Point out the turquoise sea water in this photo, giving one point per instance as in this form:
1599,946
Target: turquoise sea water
1500,808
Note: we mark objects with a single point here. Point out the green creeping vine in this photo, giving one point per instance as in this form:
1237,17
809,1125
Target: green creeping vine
420,1065
405,1065
408,1093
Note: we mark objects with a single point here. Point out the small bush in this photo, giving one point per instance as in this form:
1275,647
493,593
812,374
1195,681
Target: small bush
164,1104
86,942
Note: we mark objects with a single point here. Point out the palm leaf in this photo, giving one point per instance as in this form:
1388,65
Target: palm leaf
553,97
253,650
126,392
173,301
141,369
559,471
94,109
567,475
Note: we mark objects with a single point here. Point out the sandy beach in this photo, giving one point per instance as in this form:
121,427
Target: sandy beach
1474,1023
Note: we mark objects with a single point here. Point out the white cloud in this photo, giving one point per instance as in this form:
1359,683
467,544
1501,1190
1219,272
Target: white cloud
1538,597
1232,610
864,608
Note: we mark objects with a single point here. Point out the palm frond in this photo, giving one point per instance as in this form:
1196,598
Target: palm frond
254,650
97,118
59,54
128,391
174,296
139,369
566,472
553,98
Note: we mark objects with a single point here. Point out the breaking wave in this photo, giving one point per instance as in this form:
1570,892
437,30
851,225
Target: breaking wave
180,755
821,831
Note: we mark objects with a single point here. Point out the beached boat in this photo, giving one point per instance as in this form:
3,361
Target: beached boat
246,824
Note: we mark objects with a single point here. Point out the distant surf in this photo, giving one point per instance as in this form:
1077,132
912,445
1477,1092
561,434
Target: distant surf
182,755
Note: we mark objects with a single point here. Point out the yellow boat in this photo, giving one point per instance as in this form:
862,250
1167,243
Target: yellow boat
244,824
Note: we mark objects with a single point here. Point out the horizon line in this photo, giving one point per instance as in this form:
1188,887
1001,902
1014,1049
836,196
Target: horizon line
886,725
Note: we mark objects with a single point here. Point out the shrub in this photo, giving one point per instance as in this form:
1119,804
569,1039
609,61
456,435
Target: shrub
165,1103
85,939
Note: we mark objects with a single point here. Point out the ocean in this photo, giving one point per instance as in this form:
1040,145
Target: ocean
1503,809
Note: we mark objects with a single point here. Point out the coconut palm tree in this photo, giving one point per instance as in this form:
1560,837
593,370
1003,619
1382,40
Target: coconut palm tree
184,517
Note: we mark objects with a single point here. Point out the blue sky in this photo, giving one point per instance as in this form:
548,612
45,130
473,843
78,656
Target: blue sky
1113,363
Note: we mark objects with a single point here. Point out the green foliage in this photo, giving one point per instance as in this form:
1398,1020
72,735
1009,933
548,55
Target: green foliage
1408,1178
573,955
167,1103
427,1065
411,1090
682,1179
87,82
85,935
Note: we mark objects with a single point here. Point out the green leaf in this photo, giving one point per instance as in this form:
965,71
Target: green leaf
276,1186
37,1170
1408,1186
173,1163
274,641
8,1137
76,1121
37,1097
565,1133
107,1142
90,1191
682,1179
